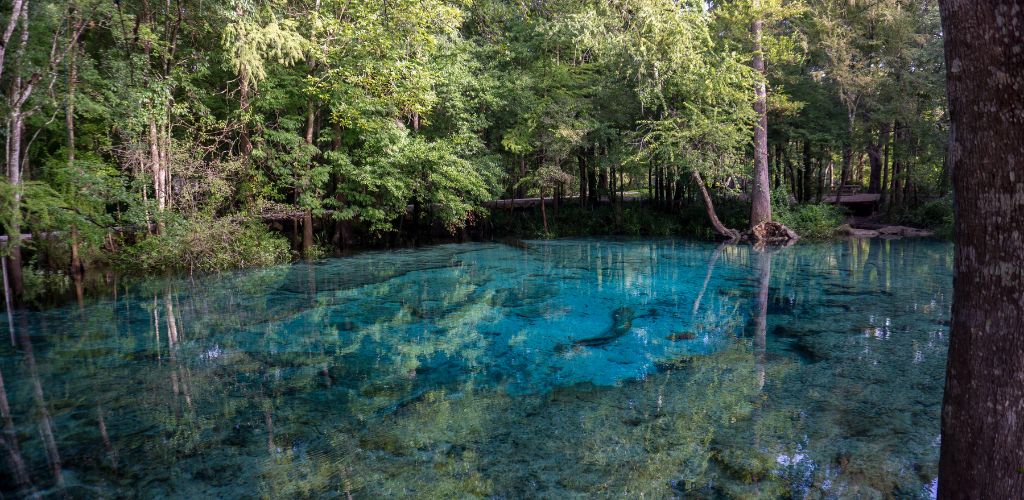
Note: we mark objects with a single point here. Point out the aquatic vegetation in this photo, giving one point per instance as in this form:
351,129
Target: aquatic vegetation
575,368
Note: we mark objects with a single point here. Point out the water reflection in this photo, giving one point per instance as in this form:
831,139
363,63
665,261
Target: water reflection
561,368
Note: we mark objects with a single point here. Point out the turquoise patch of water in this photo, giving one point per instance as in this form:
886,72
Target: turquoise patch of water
564,368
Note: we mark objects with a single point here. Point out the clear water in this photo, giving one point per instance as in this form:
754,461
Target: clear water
570,368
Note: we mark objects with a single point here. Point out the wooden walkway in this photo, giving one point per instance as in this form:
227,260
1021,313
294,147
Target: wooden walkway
853,198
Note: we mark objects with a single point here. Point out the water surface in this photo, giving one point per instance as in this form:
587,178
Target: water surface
567,368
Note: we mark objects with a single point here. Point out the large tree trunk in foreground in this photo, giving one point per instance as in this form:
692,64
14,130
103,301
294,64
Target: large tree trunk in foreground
709,206
760,194
983,407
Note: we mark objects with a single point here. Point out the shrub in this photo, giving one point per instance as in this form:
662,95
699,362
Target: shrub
936,215
207,244
812,221
39,283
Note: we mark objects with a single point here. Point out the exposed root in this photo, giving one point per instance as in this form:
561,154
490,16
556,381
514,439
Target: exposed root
771,233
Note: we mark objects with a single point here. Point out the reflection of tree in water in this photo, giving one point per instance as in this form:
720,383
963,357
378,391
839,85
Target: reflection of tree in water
219,389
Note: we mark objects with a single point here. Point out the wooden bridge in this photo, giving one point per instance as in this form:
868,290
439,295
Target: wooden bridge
852,198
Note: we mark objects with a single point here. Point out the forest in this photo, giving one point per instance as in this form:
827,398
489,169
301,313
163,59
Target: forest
204,135
512,248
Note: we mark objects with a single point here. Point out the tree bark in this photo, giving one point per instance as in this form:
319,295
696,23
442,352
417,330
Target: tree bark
886,153
12,23
157,172
875,159
847,156
582,161
982,450
894,180
543,213
69,123
808,169
602,182
307,214
592,181
760,194
20,91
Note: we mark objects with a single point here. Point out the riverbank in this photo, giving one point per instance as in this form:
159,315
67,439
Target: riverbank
211,245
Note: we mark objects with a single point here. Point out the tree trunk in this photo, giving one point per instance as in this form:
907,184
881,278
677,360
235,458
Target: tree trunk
602,182
650,183
875,159
982,450
519,191
243,106
709,206
894,181
847,156
808,169
592,183
69,124
582,160
543,213
760,193
886,150
307,232
12,23
307,214
76,260
14,141
157,173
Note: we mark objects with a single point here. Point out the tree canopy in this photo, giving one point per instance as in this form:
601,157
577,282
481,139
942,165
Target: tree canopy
360,119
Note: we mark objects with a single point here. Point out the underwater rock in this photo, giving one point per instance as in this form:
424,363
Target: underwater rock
677,336
622,323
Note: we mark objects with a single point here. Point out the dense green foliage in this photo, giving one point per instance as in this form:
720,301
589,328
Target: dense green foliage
138,126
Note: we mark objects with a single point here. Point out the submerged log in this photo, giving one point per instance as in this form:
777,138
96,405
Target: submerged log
622,323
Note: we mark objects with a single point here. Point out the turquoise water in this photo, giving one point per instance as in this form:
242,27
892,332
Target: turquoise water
567,368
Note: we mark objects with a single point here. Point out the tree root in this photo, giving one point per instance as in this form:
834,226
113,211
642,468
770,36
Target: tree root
771,233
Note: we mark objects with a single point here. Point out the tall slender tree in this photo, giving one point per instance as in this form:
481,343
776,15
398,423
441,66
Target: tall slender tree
760,194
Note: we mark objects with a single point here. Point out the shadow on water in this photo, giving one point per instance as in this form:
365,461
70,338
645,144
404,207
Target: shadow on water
577,368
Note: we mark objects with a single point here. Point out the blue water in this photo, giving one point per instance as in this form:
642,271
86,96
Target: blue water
567,368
